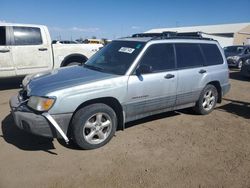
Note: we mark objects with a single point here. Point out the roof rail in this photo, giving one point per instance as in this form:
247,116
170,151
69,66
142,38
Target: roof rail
171,34
190,34
163,34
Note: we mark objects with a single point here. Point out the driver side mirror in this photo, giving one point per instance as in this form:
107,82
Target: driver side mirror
144,69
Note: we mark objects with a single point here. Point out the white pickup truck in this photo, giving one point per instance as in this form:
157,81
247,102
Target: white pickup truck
27,49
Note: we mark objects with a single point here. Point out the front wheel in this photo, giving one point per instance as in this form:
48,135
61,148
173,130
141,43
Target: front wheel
94,125
207,101
240,64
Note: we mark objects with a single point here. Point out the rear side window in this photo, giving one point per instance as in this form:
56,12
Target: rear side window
212,54
27,36
188,55
2,36
160,57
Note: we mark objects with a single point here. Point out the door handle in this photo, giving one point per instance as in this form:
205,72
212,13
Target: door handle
169,76
42,49
202,71
4,50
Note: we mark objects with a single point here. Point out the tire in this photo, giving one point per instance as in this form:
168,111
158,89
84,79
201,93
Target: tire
73,63
207,100
93,126
240,64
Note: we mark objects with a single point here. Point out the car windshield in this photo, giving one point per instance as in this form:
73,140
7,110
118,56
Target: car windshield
116,57
234,49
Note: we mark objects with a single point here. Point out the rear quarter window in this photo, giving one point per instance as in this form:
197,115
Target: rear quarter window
212,54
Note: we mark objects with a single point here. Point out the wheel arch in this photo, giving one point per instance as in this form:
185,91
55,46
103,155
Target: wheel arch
111,102
217,85
74,57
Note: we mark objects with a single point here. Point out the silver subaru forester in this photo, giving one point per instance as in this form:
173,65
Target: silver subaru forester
128,79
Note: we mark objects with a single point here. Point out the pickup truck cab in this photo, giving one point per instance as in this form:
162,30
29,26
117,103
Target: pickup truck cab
27,49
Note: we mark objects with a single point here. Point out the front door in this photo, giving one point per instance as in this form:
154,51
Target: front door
7,68
153,91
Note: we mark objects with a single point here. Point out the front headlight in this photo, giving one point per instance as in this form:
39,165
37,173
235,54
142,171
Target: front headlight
41,103
235,58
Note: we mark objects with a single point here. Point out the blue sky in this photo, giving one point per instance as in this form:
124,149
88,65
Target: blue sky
112,19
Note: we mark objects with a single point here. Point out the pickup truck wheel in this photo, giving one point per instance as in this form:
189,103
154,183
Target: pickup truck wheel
73,63
93,126
207,101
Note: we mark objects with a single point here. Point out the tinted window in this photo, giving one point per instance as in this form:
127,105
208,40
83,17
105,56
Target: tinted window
188,55
27,36
2,36
212,54
160,57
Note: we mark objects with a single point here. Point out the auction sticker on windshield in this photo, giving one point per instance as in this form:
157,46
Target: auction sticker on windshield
126,50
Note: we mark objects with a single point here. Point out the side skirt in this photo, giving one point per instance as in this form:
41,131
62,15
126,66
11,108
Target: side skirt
140,116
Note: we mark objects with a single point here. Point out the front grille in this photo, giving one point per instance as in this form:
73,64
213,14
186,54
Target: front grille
230,61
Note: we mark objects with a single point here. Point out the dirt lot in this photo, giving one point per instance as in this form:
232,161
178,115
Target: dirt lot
176,149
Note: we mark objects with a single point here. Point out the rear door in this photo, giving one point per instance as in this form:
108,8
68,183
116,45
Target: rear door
7,68
31,50
191,72
155,91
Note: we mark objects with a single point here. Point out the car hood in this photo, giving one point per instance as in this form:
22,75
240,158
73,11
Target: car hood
43,83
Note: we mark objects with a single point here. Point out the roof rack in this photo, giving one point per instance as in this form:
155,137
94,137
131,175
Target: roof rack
163,34
172,35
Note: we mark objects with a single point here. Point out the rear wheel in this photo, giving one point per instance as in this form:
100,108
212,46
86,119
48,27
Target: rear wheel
207,101
73,63
76,60
93,126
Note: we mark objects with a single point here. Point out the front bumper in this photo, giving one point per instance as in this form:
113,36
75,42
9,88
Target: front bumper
36,123
232,63
225,89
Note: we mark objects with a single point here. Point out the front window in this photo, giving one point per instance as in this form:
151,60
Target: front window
116,57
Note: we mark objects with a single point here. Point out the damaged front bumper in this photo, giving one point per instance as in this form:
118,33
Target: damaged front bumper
43,124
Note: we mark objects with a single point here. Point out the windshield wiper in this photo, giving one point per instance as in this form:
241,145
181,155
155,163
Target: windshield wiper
93,67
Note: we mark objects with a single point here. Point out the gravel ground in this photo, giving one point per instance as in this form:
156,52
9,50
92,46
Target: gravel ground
175,149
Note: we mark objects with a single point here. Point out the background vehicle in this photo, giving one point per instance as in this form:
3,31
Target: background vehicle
128,79
245,69
27,49
236,55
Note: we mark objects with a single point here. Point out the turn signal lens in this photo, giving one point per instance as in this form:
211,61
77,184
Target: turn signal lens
41,103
